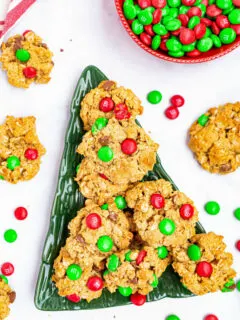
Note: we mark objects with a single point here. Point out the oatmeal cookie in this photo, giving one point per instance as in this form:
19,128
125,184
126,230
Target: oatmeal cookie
203,264
20,149
123,152
215,139
162,216
26,59
108,100
132,271
7,296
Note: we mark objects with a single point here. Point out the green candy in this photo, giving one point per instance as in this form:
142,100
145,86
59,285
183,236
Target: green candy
105,244
105,273
137,27
204,44
193,22
22,55
105,154
202,7
189,47
154,97
150,9
172,317
127,2
125,291
129,11
138,8
166,19
167,227
120,202
174,3
227,11
99,124
13,162
154,284
211,2
216,41
145,17
212,207
156,41
113,263
173,12
77,168
165,11
162,252
183,9
237,213
104,206
208,33
173,25
229,286
2,178
176,54
203,120
194,252
173,45
224,4
10,235
227,35
74,272
128,256
234,17
238,286
5,279
197,2
159,29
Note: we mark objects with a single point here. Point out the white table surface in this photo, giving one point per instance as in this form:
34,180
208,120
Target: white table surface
98,38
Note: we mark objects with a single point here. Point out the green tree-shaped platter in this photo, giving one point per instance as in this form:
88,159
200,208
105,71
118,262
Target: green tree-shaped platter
68,200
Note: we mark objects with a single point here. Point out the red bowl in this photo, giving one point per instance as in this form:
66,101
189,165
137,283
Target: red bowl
207,56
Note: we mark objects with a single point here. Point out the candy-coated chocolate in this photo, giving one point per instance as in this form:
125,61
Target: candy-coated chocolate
93,221
206,21
224,4
229,286
184,9
212,207
177,100
78,167
162,252
104,206
236,28
73,298
103,176
227,35
121,111
222,21
20,213
172,317
176,54
216,41
187,36
173,12
238,245
204,269
194,11
146,38
106,104
125,291
200,30
99,124
105,244
74,272
5,279
160,29
10,235
145,17
194,252
1,177
129,146
130,11
149,30
95,283
184,19
7,269
167,227
173,25
120,202
213,11
159,3
137,27
154,97
128,256
174,3
144,3
172,113
142,254
138,299
105,154
194,53
215,28
25,32
165,11
238,286
13,162
193,21
203,120
204,44
22,55
154,284
186,211
157,201
173,45
236,3
237,213
157,16
156,41
113,263
211,317
31,154
188,3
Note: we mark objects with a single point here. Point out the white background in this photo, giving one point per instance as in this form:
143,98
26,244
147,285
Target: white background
98,38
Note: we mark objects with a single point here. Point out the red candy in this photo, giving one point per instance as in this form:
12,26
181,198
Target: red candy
215,28
213,11
172,113
177,101
157,15
200,30
7,269
236,28
106,105
194,11
146,38
121,112
144,3
129,146
204,269
184,19
211,317
31,154
103,176
25,32
138,299
163,45
157,201
73,298
20,213
142,254
205,2
193,54
236,3
93,221
30,72
188,3
222,22
95,283
149,30
186,211
206,21
177,32
159,3
166,36
238,245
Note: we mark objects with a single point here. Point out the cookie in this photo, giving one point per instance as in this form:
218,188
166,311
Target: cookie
26,59
163,217
215,139
20,149
203,264
109,101
123,152
7,296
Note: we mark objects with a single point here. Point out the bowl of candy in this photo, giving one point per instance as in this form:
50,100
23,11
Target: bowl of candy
182,31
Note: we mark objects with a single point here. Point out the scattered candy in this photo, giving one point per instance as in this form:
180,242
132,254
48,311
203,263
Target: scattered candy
162,252
155,96
105,154
106,105
13,162
74,272
22,55
142,254
31,154
120,202
167,226
125,291
129,146
138,299
212,207
238,245
172,317
7,269
10,235
95,283
105,244
172,113
237,213
157,201
20,213
177,101
93,221
113,263
194,252
73,298
186,211
211,317
204,269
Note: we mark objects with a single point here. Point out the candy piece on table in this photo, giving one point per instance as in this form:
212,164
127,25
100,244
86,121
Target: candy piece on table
177,100
172,113
172,317
238,245
7,269
138,299
211,317
237,213
73,298
212,207
238,286
154,97
10,235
